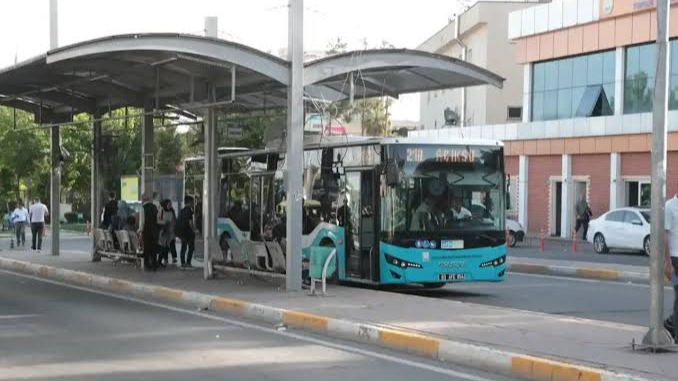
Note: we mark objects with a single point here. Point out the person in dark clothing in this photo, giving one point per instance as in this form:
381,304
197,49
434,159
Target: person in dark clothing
110,211
583,216
186,231
149,233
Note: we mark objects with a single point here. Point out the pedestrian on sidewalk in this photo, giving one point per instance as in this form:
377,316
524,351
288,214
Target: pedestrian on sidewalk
20,220
110,212
148,225
671,244
167,221
37,214
186,231
583,216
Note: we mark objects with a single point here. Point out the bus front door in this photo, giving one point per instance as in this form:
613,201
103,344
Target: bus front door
361,247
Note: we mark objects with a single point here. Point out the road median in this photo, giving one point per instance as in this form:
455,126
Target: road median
482,357
584,270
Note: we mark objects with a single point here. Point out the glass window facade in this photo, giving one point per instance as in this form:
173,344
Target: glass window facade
639,78
559,87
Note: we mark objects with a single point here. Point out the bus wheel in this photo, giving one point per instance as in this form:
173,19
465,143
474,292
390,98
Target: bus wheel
223,244
432,286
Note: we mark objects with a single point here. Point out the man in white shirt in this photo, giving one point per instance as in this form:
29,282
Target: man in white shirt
20,220
423,218
37,213
459,212
671,244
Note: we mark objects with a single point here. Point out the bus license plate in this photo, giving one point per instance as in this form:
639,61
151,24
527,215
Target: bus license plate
452,244
451,277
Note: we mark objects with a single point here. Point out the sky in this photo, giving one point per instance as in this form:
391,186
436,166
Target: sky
261,24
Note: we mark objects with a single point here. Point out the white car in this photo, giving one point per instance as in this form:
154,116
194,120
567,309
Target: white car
623,228
516,232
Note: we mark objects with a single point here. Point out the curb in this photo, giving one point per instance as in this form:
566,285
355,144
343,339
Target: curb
454,352
580,272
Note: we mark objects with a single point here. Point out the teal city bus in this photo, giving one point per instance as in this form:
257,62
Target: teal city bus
397,210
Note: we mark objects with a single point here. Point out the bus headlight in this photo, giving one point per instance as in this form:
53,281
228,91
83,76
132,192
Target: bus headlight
401,263
495,262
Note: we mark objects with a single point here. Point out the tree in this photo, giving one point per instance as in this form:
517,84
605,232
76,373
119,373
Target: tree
373,112
170,148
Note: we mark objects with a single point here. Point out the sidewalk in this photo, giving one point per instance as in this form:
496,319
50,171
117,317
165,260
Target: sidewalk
595,343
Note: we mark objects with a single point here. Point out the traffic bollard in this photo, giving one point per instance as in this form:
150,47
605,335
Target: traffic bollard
574,241
541,240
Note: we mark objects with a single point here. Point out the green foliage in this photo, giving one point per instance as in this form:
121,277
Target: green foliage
170,148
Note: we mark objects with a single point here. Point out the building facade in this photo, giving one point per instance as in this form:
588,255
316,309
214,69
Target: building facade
589,69
480,36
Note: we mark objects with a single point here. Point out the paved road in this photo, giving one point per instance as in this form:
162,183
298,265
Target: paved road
51,332
585,253
598,300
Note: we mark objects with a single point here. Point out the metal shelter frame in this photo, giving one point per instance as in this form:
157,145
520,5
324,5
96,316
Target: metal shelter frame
195,76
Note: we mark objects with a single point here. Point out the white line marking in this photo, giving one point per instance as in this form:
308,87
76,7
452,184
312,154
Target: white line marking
346,348
7,317
586,280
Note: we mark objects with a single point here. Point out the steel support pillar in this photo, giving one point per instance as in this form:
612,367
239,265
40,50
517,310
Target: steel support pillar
523,190
210,203
568,199
147,154
295,144
55,188
615,181
96,206
656,336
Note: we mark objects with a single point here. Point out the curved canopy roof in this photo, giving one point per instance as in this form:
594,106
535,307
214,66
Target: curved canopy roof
392,72
174,70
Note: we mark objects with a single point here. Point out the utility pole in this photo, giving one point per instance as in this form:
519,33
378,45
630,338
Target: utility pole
55,143
657,337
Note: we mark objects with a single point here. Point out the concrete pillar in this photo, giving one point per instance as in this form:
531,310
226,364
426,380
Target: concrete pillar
55,188
295,144
619,82
527,92
616,184
210,191
53,24
567,198
96,182
522,191
212,27
147,154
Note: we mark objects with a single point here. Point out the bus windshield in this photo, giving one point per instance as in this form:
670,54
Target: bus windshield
444,189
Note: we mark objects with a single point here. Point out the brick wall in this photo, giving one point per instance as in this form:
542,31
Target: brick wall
512,165
540,169
672,174
597,168
635,164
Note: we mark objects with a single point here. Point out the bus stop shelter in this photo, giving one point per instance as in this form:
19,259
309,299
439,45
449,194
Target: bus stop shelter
195,77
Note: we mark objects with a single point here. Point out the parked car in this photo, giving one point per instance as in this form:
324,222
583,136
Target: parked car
516,232
623,228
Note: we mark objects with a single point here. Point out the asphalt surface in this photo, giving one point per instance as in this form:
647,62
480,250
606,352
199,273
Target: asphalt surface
590,299
608,301
52,332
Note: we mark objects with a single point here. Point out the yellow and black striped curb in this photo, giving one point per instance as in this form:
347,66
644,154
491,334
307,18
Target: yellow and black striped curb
580,272
454,352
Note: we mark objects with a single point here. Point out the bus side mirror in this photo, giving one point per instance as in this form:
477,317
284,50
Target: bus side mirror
392,174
